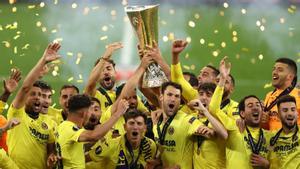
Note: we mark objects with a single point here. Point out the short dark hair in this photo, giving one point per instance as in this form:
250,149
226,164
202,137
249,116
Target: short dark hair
292,65
215,70
107,60
207,87
169,83
69,86
241,105
94,99
133,113
42,85
284,99
193,79
78,102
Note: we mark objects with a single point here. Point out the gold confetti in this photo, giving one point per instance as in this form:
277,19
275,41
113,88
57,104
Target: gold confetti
14,9
187,56
16,37
262,28
188,39
12,1
103,38
216,31
193,67
260,57
70,79
25,46
95,7
15,50
202,41
221,13
54,31
80,76
56,68
6,44
192,24
211,44
171,36
258,23
54,73
215,53
163,22
235,39
237,56
165,38
74,5
78,60
253,60
86,10
42,4
293,7
10,62
223,44
124,2
18,32
69,53
31,6
55,2
79,81
171,11
243,11
197,16
44,29
225,4
1,29
58,40
245,49
282,20
234,33
186,67
104,28
268,85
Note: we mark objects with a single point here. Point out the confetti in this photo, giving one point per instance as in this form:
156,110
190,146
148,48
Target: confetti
243,11
55,2
234,33
103,38
70,79
16,37
258,23
165,38
216,31
54,73
197,16
25,46
215,53
260,57
86,11
268,85
225,4
124,2
42,4
12,1
95,7
1,29
211,44
202,41
113,12
171,11
188,39
104,28
15,50
10,62
31,6
14,9
44,29
223,44
6,44
187,56
262,28
282,20
171,36
192,24
79,81
193,67
253,60
221,13
74,5
54,31
80,76
163,22
235,39
186,67
69,53
78,60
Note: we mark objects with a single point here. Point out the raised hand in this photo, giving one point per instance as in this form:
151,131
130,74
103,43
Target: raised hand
122,107
178,46
196,104
11,123
153,52
11,84
225,67
111,48
146,60
50,53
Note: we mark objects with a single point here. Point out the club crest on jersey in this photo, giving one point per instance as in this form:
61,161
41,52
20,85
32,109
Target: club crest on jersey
171,130
98,150
44,126
192,120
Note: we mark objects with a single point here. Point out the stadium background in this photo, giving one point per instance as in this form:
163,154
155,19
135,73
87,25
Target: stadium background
251,33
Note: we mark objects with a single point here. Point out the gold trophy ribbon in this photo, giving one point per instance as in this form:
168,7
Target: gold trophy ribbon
144,20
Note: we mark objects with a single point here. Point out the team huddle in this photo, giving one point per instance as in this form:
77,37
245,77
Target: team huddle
188,122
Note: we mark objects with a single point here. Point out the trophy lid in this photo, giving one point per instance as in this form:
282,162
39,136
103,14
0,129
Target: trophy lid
137,8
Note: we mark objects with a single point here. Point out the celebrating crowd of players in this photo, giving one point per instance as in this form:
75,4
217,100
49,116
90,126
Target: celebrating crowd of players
188,123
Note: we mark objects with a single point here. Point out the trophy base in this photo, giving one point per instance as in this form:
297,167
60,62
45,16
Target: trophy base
154,76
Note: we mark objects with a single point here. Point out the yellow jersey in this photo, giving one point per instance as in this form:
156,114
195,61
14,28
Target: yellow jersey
68,147
27,142
6,162
55,115
231,109
103,100
238,143
274,123
177,147
211,154
188,92
286,151
115,154
2,106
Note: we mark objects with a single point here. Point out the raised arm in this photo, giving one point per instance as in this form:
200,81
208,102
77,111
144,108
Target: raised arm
188,92
217,126
101,130
133,81
90,88
49,55
11,84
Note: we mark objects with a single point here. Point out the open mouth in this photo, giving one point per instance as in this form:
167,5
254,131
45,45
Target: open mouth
275,77
134,133
171,106
93,120
291,119
37,105
255,114
107,79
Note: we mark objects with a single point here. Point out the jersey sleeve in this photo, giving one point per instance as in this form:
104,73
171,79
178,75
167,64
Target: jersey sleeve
105,115
76,134
52,132
193,124
102,149
15,113
2,106
188,92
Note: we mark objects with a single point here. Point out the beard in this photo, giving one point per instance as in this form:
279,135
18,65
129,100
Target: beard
288,125
108,87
